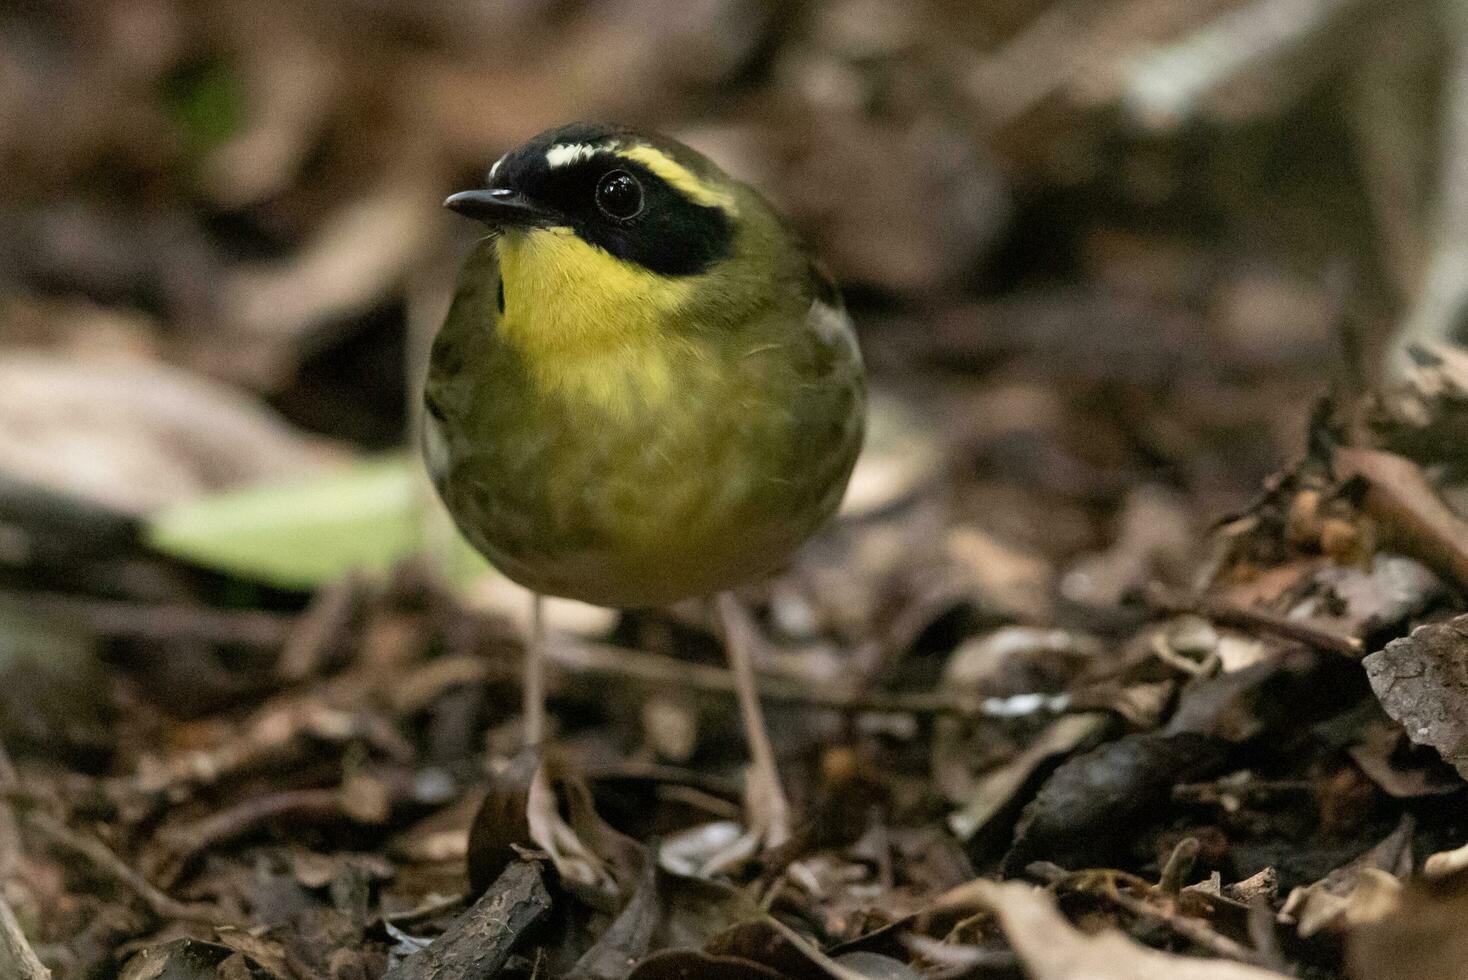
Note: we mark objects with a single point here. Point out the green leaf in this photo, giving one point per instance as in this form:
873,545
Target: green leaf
366,517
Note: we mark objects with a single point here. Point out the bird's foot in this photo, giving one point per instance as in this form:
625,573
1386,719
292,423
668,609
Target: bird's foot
578,865
766,808
767,826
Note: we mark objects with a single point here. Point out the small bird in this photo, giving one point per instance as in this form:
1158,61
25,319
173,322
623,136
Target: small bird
645,390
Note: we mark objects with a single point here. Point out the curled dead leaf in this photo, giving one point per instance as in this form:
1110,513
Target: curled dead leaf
1052,949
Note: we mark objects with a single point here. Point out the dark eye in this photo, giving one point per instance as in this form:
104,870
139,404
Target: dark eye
619,195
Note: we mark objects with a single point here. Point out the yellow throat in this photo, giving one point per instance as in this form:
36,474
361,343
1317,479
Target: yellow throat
588,324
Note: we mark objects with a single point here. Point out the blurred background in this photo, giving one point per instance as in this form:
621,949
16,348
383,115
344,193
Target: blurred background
1113,244
1105,258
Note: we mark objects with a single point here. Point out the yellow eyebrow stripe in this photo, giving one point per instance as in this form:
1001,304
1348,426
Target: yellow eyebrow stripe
679,177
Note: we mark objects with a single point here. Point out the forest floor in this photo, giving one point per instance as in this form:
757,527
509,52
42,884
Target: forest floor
1137,651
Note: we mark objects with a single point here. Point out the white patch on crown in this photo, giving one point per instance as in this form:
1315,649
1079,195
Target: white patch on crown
565,154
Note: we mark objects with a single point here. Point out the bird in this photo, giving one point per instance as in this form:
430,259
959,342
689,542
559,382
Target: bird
646,390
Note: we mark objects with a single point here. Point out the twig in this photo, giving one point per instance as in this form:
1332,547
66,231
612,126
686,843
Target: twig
1194,930
186,842
657,670
477,943
108,863
1245,617
18,960
1229,793
1406,504
145,621
1391,150
1167,84
1438,307
275,729
9,831
313,633
427,911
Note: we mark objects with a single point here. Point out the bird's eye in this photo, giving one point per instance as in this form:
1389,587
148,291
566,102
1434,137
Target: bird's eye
619,195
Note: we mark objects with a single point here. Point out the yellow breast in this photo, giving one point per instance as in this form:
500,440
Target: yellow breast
587,324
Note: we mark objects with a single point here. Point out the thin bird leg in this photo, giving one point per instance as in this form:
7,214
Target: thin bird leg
770,811
535,675
574,860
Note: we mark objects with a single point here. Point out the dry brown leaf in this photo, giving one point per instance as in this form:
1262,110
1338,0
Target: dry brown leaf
1445,863
1362,891
1421,939
997,787
1052,949
135,435
1407,505
356,256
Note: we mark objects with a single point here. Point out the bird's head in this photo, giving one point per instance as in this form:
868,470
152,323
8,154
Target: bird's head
606,240
642,200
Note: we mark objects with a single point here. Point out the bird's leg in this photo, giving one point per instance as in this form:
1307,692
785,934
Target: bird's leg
769,810
575,861
534,680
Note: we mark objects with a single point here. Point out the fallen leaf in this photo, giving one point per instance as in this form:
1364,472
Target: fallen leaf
1360,891
899,459
692,964
997,787
1387,594
1445,863
1422,681
1092,804
136,436
1154,539
1400,769
627,939
1052,949
307,533
775,945
1422,938
1412,514
192,959
1018,659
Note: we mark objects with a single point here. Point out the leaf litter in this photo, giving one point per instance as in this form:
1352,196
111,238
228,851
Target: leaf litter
1129,656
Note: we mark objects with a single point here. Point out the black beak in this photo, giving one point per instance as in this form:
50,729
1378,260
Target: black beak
497,206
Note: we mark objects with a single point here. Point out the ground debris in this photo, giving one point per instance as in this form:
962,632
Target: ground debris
477,943
1418,936
1051,949
1114,267
1422,682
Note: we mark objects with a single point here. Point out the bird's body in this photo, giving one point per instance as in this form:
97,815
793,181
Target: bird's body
629,426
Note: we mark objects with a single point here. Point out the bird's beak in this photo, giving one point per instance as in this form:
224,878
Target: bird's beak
497,206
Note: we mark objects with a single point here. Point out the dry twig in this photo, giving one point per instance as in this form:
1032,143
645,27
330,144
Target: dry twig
1167,85
17,960
1406,504
147,621
104,860
1105,886
1438,308
1227,613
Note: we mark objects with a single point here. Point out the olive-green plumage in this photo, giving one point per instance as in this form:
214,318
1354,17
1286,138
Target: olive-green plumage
634,407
